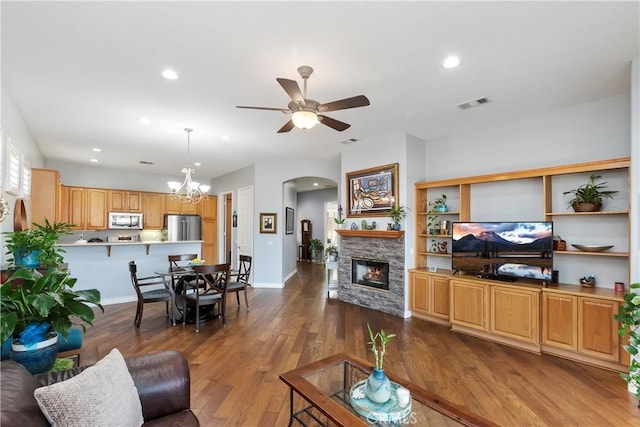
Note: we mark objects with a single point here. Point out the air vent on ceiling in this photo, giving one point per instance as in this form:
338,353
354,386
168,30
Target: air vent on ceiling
348,141
473,103
144,162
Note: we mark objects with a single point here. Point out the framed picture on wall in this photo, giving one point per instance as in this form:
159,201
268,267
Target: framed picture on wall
268,222
373,191
288,223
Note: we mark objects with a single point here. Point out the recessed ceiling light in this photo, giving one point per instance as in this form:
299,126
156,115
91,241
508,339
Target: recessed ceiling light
94,160
170,74
196,163
315,184
225,137
144,120
451,62
96,150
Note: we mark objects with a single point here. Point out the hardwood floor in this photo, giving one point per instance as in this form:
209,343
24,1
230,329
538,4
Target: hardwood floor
234,370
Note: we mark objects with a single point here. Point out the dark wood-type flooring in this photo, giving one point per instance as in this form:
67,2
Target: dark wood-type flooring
234,370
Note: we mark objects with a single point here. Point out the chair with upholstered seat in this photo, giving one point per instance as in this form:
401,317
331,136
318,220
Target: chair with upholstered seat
214,280
240,279
159,294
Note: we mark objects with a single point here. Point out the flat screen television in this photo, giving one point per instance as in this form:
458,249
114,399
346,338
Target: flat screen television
503,250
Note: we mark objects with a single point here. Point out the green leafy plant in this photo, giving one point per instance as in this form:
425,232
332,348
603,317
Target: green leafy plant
330,250
435,207
379,350
629,317
42,238
28,297
591,192
339,221
398,213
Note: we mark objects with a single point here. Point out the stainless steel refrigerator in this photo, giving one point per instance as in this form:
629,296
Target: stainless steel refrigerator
182,227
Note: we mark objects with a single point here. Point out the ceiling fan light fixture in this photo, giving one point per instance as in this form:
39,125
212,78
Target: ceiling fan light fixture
304,119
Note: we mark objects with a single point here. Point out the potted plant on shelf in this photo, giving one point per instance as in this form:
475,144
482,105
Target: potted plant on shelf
435,207
37,247
36,308
629,318
378,387
339,220
588,197
331,253
397,213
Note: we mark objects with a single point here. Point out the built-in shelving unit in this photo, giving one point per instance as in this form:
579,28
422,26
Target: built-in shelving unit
609,226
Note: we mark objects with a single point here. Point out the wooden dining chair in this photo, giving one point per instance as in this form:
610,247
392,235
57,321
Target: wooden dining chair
165,293
178,262
214,279
240,279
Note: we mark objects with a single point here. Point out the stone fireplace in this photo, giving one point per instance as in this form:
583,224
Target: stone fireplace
371,270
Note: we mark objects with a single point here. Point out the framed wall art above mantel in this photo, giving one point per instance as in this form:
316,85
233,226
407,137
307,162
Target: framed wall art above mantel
372,192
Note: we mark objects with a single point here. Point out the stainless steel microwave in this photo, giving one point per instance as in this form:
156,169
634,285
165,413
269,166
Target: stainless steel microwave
123,220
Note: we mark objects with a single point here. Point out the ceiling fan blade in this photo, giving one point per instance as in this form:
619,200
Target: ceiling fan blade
333,123
284,110
343,104
287,127
292,89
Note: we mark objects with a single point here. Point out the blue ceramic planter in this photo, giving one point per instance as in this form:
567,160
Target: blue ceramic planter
37,358
378,387
29,260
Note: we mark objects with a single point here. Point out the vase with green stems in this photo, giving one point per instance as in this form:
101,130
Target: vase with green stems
378,386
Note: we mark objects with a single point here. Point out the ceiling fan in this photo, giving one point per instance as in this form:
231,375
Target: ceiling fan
305,112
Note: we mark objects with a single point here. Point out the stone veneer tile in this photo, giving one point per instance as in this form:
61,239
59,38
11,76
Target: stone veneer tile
376,248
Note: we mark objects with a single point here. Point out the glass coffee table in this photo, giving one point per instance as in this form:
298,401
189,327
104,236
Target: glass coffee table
320,395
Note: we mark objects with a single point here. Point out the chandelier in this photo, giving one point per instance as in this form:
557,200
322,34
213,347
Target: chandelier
189,191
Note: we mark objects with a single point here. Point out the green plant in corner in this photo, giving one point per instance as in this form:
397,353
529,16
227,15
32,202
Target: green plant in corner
379,350
629,318
316,247
591,193
35,304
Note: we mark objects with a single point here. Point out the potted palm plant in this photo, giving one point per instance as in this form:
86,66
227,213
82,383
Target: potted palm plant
316,247
629,317
37,247
588,197
397,213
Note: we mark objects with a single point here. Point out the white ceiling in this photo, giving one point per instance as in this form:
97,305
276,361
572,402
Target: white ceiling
82,73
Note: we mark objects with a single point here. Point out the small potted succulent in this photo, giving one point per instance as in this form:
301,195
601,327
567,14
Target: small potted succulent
588,197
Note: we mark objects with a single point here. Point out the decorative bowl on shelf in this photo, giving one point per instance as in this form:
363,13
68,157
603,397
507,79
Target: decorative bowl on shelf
588,282
590,248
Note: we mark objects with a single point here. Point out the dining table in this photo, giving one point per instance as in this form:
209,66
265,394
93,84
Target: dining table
180,277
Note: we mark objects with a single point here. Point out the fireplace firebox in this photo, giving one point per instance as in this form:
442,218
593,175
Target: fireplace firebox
370,272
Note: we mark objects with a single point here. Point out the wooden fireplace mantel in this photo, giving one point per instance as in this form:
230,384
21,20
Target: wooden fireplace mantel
384,234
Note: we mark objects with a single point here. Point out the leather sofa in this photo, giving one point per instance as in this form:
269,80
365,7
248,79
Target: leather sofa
162,380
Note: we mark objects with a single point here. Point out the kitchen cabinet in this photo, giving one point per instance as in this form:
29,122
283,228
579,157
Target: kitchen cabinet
74,205
153,210
124,201
176,207
429,296
45,196
208,209
96,216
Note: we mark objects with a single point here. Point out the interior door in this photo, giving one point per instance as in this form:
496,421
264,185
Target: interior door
245,222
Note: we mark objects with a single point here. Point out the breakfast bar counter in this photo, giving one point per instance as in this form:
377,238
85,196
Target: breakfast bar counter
105,265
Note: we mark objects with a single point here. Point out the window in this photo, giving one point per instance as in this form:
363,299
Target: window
13,168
